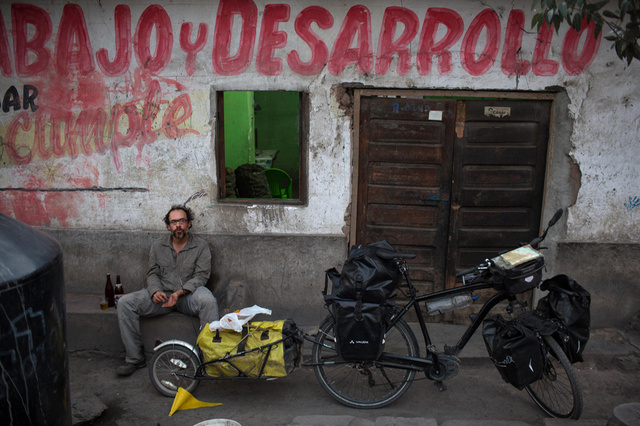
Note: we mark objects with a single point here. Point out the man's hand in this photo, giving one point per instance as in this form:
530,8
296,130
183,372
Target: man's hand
168,302
173,299
159,297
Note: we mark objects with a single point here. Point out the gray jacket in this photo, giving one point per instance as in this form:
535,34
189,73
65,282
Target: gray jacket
188,270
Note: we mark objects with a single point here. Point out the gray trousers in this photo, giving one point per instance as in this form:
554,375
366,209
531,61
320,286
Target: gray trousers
138,304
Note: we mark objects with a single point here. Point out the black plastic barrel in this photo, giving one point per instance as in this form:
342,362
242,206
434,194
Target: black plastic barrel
34,388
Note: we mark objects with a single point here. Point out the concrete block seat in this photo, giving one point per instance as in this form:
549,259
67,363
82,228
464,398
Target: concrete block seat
91,329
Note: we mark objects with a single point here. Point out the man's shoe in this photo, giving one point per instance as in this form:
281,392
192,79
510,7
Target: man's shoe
129,368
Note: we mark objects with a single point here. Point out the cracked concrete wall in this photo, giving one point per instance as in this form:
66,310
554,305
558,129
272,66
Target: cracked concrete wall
66,177
130,186
606,111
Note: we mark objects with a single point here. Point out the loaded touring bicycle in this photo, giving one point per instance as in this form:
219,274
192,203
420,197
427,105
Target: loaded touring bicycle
364,353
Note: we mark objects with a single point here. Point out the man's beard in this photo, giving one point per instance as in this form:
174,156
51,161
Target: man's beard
179,234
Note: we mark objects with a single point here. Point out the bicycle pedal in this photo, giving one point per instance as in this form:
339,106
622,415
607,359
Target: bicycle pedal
441,386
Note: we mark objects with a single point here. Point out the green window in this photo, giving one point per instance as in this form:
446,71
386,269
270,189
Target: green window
261,146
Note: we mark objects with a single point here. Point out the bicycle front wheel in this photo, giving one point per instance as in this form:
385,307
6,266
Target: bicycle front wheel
173,367
367,384
558,392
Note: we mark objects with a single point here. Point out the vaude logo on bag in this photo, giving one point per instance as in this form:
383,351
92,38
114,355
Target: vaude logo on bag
509,360
505,363
359,342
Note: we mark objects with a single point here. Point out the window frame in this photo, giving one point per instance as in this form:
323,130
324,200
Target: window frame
303,177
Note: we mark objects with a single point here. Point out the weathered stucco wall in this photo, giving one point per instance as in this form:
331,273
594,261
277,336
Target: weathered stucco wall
606,145
109,113
125,177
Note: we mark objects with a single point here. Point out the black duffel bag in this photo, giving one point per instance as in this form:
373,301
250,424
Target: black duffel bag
366,273
568,303
515,349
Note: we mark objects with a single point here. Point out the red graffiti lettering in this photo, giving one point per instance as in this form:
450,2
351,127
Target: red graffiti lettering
192,49
89,127
387,46
133,126
224,64
429,48
177,113
39,139
319,52
150,110
572,62
62,133
21,122
154,17
486,20
73,48
58,146
541,64
72,51
23,16
357,21
271,39
511,63
122,60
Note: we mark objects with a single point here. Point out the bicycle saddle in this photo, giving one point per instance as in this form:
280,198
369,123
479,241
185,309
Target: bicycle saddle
390,255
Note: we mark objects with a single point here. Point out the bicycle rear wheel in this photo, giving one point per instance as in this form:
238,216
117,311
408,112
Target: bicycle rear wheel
364,384
558,393
174,367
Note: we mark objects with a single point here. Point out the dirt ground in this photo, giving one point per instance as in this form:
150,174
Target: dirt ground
476,393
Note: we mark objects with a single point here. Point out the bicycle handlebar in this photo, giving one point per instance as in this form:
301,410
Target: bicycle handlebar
466,271
556,217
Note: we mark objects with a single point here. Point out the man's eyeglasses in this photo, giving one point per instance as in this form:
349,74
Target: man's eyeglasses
178,221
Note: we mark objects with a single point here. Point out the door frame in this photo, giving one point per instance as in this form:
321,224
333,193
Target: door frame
442,94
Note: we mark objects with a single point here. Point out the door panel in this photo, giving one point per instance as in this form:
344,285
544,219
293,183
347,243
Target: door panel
404,180
453,190
498,179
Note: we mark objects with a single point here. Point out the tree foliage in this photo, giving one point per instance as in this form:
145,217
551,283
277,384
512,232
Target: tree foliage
622,25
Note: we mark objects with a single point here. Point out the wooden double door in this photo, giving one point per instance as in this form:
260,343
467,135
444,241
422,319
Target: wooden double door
453,181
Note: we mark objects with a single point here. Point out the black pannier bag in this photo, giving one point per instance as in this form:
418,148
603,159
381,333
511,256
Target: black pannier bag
359,330
359,300
515,349
568,303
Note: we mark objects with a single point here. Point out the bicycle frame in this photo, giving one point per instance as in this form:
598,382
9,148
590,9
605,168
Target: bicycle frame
414,302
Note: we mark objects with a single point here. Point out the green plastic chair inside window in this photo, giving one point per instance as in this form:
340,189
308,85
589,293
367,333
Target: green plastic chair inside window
280,183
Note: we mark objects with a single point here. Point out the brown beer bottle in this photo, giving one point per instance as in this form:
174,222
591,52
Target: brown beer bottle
119,290
108,292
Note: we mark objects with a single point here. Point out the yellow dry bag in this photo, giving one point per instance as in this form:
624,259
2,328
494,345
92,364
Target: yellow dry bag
258,351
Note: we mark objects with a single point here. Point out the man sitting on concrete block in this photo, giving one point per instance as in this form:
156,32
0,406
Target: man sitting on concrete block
179,267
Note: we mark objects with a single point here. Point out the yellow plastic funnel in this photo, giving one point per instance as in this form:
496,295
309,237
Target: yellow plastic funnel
185,401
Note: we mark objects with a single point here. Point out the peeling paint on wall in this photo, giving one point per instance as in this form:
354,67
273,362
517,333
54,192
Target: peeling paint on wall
107,111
